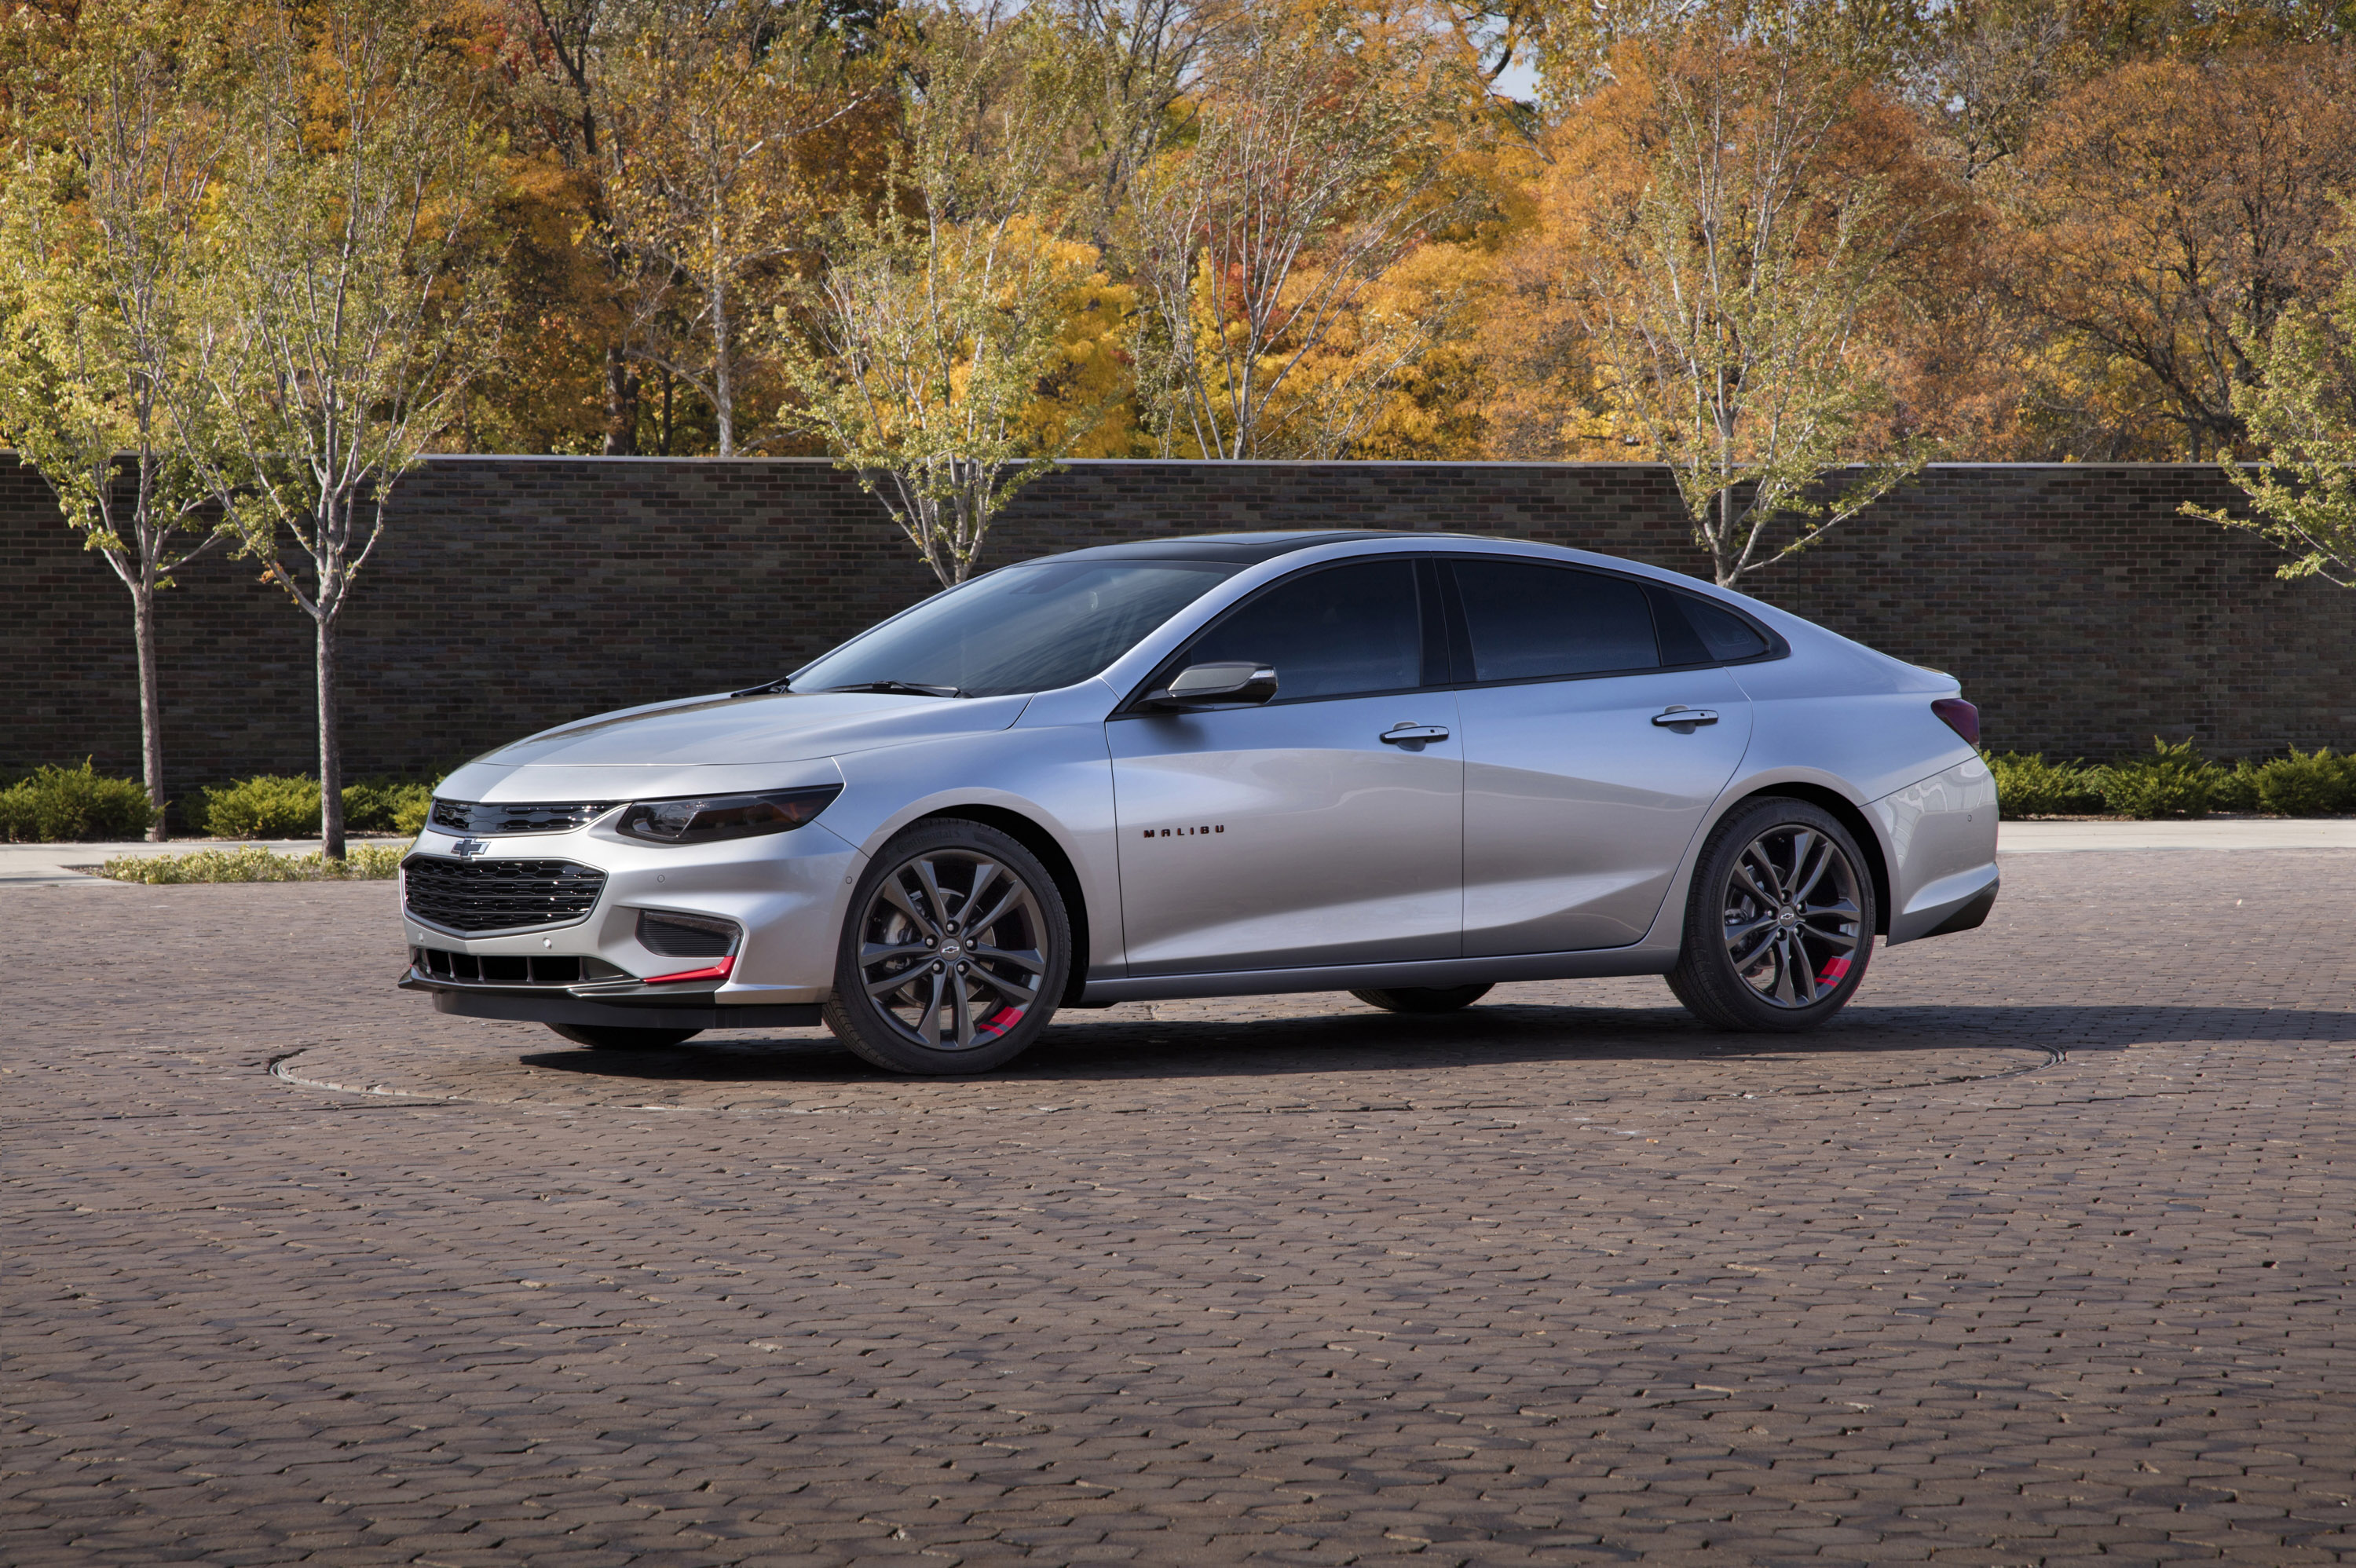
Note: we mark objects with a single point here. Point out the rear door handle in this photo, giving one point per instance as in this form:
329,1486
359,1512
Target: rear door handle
1685,718
1413,734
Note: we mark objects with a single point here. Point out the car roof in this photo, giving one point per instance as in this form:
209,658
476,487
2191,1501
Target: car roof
1241,549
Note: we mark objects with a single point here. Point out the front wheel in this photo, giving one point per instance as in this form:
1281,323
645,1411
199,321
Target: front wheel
954,954
1780,924
608,1037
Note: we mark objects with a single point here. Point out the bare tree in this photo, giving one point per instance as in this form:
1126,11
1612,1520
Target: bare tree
1316,165
353,299
1725,281
98,267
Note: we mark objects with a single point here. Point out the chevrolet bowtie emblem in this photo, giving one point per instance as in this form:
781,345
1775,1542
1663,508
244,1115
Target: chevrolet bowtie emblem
466,846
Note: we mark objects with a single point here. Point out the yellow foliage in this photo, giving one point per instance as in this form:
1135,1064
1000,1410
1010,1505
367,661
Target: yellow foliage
1086,406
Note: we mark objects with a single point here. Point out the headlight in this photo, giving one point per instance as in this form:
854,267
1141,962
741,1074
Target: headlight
708,819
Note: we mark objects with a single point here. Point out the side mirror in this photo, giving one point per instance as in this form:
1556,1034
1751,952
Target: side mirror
1217,685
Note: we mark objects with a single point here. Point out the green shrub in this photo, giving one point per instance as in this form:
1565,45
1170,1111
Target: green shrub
252,863
409,820
386,805
56,804
2029,785
2167,780
2314,784
2237,790
278,806
269,806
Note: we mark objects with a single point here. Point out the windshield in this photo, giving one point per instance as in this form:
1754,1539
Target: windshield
1020,629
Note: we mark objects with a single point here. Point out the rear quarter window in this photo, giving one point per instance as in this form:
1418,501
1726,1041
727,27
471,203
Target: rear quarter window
1695,631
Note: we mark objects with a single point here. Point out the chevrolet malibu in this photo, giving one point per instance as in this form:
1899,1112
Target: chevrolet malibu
1407,766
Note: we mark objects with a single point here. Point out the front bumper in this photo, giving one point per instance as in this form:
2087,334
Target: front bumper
560,1007
783,891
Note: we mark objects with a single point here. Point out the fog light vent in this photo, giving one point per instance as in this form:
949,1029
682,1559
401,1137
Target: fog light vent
686,936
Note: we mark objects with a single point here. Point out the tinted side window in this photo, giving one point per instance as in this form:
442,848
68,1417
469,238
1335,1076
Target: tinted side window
1346,629
1725,635
1529,622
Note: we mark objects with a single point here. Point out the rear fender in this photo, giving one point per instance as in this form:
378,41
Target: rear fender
1812,786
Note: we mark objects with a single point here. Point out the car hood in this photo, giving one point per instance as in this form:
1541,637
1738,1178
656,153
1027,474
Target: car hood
740,737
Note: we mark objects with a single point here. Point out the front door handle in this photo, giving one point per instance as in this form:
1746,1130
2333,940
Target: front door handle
1413,734
1683,720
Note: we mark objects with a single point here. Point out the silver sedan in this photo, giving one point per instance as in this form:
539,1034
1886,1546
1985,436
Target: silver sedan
1408,766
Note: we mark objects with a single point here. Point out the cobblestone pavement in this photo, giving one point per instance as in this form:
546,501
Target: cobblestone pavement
2040,1256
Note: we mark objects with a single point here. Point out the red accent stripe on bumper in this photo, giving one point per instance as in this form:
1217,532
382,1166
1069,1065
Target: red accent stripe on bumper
716,972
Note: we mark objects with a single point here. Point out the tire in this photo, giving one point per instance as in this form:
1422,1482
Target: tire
1755,965
1423,998
610,1037
981,1006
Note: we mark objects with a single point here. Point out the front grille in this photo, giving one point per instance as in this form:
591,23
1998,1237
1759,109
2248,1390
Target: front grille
494,818
496,895
512,968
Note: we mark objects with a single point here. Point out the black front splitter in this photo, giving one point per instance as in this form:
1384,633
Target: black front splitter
530,1006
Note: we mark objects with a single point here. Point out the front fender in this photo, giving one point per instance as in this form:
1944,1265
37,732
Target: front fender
1057,776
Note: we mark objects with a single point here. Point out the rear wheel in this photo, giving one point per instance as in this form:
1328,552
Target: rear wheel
607,1037
1423,998
1780,924
954,953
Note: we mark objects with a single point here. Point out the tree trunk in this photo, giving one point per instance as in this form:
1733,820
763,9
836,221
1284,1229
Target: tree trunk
151,704
722,381
331,752
1720,546
621,404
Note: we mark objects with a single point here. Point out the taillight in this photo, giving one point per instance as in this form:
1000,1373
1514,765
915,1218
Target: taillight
1960,715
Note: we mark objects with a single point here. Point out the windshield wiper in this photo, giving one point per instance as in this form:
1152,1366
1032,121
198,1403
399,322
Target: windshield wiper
783,683
901,687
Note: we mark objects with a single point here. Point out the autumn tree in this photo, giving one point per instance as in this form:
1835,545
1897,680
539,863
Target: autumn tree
352,294
1134,60
565,94
940,316
2171,213
710,107
1316,165
119,142
2300,411
1730,262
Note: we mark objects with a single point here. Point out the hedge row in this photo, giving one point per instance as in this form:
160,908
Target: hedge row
281,806
2174,781
53,805
253,863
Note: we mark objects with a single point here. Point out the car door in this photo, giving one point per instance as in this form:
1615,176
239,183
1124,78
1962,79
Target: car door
1581,789
1322,827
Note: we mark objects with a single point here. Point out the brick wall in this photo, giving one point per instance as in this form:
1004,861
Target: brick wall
2081,611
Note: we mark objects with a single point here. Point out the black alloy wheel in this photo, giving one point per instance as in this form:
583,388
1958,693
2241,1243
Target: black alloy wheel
955,953
1779,928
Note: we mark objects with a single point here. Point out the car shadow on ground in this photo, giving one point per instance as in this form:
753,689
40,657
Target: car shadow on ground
1078,1048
